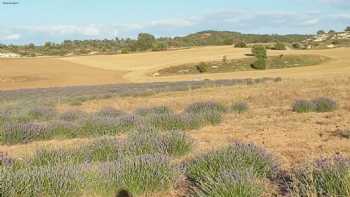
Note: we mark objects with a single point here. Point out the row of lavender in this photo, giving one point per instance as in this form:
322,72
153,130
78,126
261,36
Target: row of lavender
144,164
45,123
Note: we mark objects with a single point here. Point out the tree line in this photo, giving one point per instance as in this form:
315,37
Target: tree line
145,42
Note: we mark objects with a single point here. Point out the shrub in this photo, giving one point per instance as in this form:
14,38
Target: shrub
142,174
99,150
13,133
280,46
317,105
260,53
259,64
42,113
325,177
172,143
229,169
73,115
202,67
240,44
110,112
240,107
227,184
324,104
5,160
42,181
201,107
167,121
303,106
153,110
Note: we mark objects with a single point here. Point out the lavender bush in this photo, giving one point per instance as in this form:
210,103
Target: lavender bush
139,175
324,177
237,158
42,181
12,133
172,143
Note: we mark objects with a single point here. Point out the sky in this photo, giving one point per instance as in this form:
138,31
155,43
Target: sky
38,21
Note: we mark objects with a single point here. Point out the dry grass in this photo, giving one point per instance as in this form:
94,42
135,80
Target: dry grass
105,69
51,72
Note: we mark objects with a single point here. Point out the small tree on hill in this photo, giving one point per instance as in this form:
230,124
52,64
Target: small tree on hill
279,46
260,53
320,32
145,41
347,28
240,44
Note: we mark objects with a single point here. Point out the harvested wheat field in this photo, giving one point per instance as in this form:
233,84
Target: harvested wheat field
109,69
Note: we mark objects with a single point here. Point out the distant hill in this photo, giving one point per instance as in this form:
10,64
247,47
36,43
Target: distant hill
226,38
328,40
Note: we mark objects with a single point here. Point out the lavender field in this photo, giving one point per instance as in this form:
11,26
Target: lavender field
148,151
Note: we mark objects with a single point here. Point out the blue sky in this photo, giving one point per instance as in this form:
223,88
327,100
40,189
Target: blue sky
37,21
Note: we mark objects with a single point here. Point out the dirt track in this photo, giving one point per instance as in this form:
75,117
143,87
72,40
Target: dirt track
103,69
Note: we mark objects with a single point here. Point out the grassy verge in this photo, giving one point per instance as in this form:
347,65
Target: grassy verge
273,62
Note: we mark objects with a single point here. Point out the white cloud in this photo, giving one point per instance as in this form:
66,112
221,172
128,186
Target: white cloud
10,37
172,23
89,30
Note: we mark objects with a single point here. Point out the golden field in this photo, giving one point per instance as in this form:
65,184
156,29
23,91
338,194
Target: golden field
129,68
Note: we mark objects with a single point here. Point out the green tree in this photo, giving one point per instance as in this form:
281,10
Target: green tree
347,28
261,55
240,44
279,46
145,41
320,32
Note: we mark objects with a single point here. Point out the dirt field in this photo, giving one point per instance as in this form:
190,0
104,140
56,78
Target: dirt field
93,70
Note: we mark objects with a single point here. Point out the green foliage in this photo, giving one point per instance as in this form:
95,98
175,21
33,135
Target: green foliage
259,64
320,32
279,46
202,67
303,106
240,44
324,104
42,181
228,170
151,141
142,174
347,28
320,105
228,184
325,177
240,107
145,41
260,53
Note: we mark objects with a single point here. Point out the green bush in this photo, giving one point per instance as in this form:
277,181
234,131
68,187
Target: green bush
320,105
240,107
63,181
228,184
325,177
229,169
324,104
151,141
139,175
240,44
260,53
99,150
202,67
279,46
303,106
